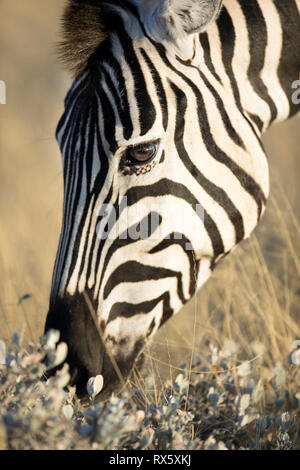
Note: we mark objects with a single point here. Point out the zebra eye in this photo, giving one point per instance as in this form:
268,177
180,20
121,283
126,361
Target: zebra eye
142,153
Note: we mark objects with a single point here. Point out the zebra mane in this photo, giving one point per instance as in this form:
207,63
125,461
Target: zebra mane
82,33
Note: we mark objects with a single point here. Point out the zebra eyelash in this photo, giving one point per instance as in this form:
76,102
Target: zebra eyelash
138,170
129,167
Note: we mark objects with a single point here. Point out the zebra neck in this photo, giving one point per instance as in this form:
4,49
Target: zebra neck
254,51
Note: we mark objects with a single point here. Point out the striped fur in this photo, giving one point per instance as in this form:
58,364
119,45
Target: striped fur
138,241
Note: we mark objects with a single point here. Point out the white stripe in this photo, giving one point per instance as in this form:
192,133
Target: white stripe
250,100
272,59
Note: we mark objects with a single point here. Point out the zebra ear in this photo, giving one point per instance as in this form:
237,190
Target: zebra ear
178,18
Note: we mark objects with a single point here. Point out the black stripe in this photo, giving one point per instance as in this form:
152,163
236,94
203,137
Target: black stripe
135,272
121,97
257,121
215,192
225,118
258,39
247,182
99,182
101,176
79,234
60,260
165,187
117,209
289,66
159,88
228,38
127,310
231,131
181,240
162,158
147,112
73,95
67,143
149,221
88,156
109,121
74,106
207,57
71,194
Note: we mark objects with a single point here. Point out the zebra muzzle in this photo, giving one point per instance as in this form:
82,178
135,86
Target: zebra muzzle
71,316
88,354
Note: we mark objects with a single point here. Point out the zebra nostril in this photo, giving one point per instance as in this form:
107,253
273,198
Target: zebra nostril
71,316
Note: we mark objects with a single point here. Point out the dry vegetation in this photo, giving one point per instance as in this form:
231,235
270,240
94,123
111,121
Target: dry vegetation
241,326
226,405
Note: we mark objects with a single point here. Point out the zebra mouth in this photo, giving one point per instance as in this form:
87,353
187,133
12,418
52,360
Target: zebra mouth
71,316
114,380
88,355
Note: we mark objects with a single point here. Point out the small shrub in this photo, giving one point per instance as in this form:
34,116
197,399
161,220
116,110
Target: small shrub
229,405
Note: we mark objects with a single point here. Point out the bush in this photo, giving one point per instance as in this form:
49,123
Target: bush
229,405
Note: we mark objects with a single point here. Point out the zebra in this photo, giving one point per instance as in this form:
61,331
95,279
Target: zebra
163,163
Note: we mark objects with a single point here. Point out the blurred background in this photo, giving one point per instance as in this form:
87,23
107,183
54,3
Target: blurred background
252,297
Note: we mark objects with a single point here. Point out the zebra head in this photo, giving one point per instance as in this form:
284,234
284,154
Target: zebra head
141,217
